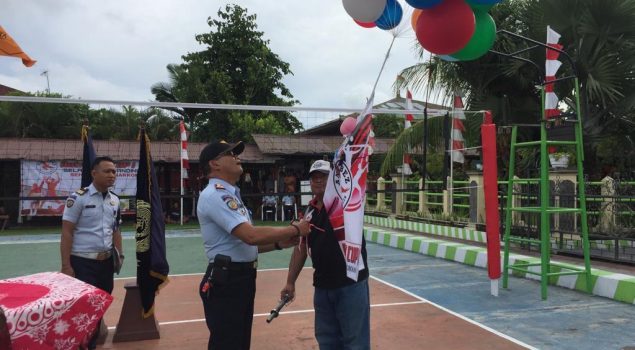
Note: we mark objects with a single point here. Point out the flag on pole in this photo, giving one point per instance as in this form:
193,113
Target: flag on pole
185,160
152,264
88,156
458,143
551,68
8,47
345,192
407,159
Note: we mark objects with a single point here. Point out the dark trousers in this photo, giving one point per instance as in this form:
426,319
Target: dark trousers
98,273
289,212
229,310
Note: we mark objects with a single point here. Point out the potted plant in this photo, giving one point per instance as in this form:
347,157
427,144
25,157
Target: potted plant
561,159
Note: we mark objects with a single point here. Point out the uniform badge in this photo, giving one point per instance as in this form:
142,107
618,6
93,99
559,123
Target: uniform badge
232,204
69,202
112,203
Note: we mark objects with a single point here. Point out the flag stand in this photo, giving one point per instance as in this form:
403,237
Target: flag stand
132,326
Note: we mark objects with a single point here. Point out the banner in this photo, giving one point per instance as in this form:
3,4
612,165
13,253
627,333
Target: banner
152,264
88,156
60,179
345,193
8,47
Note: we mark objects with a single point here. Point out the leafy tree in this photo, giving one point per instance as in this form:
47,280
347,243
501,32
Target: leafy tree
41,120
387,125
236,66
599,36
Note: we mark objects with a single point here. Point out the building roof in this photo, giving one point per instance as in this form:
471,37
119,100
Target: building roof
5,90
308,144
398,103
56,149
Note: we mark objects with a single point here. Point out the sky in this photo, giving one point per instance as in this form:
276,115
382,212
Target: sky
116,49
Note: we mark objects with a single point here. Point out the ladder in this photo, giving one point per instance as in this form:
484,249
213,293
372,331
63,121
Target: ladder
547,269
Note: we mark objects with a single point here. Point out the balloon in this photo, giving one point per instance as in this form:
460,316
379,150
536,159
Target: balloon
484,2
423,4
482,40
364,10
365,24
391,16
448,58
414,18
348,126
447,28
476,6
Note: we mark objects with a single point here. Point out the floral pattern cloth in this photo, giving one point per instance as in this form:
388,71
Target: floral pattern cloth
51,310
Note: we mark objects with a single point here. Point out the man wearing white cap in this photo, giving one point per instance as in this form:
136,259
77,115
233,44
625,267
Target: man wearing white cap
342,306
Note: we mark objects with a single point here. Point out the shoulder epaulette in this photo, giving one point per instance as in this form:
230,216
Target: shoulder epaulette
219,187
114,194
82,191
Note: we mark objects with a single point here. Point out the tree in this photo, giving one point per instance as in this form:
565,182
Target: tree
235,67
599,35
41,120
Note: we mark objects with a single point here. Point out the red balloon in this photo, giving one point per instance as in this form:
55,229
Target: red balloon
446,28
365,24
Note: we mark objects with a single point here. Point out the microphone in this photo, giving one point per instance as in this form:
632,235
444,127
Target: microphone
275,312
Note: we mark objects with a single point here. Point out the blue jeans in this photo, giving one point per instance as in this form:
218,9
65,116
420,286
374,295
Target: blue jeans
342,317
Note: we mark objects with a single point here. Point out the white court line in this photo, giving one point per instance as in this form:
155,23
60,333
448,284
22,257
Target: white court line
420,301
491,330
282,313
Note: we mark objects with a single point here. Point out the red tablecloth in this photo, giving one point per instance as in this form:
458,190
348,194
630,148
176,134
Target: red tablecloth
51,310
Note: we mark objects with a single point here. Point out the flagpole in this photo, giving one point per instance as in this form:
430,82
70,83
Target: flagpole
181,179
451,182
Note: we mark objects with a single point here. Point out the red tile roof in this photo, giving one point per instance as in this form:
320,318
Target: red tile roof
55,149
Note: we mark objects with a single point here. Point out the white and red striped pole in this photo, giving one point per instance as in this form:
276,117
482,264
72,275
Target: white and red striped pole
551,68
185,162
458,143
407,160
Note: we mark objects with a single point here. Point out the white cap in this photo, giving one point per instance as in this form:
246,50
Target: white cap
321,166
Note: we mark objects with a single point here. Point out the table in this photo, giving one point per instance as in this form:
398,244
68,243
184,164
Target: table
51,310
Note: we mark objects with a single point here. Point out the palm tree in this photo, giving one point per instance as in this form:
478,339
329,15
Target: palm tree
599,35
184,85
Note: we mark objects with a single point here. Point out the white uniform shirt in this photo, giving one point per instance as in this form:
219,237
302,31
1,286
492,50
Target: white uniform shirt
95,219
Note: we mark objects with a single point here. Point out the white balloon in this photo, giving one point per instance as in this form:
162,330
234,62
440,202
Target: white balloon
365,11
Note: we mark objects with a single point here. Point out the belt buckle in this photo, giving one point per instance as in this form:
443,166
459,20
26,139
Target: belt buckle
103,255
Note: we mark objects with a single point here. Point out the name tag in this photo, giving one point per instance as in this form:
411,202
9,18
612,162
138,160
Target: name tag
90,206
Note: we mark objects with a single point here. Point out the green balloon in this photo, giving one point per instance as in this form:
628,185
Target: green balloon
482,39
480,7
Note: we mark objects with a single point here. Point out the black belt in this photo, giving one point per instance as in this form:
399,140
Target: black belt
239,266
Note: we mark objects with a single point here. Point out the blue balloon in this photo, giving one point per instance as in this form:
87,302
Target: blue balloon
391,16
423,4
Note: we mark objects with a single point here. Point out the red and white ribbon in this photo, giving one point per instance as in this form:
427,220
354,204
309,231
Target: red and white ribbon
551,68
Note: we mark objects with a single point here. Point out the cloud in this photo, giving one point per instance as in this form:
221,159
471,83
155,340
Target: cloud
118,49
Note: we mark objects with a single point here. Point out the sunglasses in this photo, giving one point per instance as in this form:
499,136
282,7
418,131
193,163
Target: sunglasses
227,153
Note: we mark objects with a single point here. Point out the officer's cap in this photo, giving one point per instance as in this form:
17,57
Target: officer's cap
215,149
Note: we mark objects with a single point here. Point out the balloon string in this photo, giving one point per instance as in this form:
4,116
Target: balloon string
383,65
